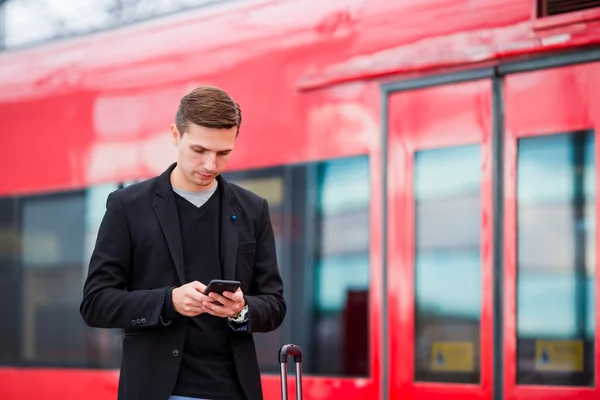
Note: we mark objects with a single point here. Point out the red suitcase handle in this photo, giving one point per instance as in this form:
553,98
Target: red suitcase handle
285,352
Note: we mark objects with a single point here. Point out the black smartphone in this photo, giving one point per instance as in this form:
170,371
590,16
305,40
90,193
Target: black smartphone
220,286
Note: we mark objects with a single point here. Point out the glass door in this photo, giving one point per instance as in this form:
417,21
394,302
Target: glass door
550,241
440,242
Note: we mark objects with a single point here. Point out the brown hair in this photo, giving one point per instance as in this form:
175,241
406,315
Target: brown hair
210,107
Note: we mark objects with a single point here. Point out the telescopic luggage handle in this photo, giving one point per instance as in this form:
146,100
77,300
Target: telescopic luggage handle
285,352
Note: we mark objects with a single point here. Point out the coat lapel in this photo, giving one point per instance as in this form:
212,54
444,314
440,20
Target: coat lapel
166,212
230,229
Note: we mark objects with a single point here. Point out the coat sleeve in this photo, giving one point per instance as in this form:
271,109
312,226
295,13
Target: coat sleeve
107,303
266,305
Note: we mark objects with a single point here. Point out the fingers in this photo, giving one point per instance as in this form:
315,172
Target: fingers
237,296
190,306
221,299
199,286
230,304
189,300
193,302
192,311
196,296
215,309
195,291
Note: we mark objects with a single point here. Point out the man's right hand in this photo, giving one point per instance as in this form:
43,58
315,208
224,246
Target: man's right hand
187,299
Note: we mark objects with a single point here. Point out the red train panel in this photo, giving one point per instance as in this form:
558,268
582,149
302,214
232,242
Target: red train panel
108,95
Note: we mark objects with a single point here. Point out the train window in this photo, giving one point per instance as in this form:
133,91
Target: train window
547,8
52,232
556,256
447,185
45,247
320,214
340,269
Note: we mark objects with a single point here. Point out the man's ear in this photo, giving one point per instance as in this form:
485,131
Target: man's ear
174,134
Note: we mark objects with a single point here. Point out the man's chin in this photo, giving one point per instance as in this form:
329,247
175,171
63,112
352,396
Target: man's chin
201,181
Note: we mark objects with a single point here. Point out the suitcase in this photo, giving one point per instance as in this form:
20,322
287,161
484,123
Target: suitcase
284,353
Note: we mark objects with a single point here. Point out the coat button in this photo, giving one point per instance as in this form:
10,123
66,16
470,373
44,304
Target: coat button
139,321
175,353
143,320
133,322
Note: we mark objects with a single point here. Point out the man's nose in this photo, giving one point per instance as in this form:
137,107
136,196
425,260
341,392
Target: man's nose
210,163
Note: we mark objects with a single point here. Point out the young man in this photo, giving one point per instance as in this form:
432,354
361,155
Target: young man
161,242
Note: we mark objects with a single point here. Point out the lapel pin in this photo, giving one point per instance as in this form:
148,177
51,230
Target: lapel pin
233,217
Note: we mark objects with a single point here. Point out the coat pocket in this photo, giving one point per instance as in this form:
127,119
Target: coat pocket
244,247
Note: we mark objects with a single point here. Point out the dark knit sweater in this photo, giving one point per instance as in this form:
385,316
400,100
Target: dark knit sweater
207,366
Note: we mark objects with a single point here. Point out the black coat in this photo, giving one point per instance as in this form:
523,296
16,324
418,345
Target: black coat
138,256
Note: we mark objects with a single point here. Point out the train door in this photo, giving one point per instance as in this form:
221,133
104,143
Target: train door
550,252
440,241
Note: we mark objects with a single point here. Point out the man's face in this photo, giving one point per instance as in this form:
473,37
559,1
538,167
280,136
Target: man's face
203,153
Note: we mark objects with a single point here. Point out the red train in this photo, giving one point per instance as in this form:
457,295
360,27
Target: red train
430,166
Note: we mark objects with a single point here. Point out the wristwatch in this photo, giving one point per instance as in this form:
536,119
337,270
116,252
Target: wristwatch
242,317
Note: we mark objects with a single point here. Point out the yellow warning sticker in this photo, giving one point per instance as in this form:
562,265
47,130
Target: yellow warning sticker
559,355
452,356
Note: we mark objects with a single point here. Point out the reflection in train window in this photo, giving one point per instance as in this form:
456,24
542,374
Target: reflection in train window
340,260
447,185
45,247
52,234
320,215
556,259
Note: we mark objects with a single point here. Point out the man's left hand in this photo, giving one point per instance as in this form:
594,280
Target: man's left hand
231,304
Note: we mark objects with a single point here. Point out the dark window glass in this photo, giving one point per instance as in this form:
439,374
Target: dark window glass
340,264
10,281
44,254
52,232
556,259
320,214
447,185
